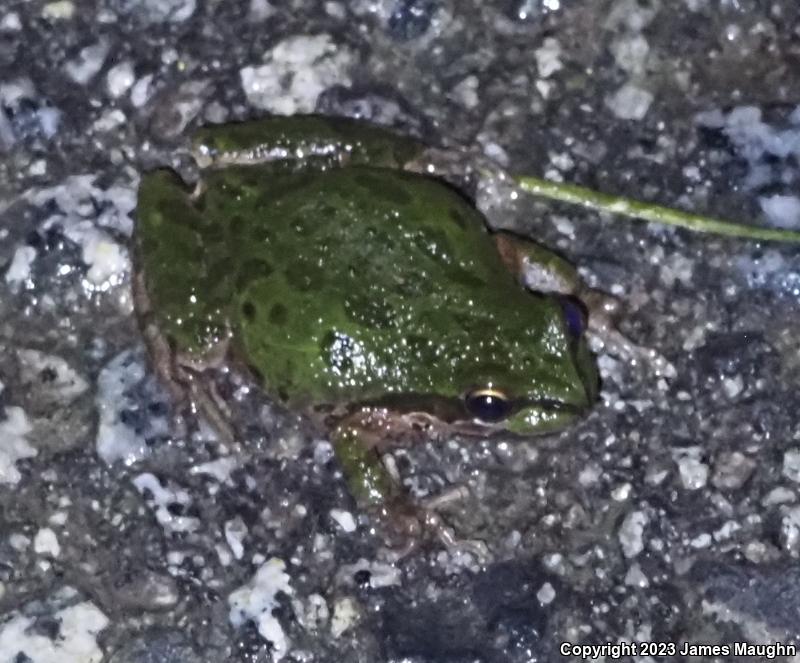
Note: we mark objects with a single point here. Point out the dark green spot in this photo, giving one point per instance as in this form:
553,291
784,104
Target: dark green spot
249,311
278,314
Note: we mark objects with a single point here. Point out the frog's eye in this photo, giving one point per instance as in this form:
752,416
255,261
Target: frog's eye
575,316
488,404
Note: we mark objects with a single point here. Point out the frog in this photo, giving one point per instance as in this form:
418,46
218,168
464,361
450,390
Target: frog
332,262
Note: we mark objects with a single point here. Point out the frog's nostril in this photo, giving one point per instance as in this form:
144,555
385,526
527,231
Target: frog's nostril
575,316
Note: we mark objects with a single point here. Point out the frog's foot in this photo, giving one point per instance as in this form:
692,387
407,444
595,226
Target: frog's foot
402,522
406,525
603,311
541,270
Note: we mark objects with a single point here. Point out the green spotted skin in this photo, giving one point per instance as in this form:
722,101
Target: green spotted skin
349,285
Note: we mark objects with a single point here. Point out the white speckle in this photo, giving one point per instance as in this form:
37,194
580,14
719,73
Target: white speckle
728,529
297,71
256,600
335,10
631,532
235,532
64,383
119,79
78,627
630,102
344,519
58,11
140,92
693,472
220,469
589,475
790,528
46,543
345,615
10,22
116,440
701,540
19,270
630,53
162,498
622,492
546,594
111,119
779,495
733,386
49,119
19,542
59,518
466,92
791,465
89,61
260,10
635,577
13,444
548,57
107,259
781,211
38,168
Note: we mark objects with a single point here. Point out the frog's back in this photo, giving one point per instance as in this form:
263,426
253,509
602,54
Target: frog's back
348,284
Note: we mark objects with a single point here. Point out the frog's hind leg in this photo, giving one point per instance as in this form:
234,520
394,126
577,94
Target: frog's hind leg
359,441
541,270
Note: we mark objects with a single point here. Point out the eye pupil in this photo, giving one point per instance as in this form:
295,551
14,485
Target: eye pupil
488,405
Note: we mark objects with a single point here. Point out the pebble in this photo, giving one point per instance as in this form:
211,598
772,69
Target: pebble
296,72
731,470
630,102
14,445
256,600
791,465
46,543
88,63
631,533
119,79
693,472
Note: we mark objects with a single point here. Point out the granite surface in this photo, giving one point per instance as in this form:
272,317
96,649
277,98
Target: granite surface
668,515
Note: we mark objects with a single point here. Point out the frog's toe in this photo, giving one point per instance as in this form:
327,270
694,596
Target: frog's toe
434,524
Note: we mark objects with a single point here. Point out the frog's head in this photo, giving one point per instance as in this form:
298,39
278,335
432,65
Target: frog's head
519,365
543,385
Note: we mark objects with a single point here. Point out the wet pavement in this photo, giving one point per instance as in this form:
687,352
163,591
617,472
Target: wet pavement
669,515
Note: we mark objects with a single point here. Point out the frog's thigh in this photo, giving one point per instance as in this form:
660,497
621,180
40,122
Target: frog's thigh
537,267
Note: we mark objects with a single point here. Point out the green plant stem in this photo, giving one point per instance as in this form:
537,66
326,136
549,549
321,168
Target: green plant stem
603,202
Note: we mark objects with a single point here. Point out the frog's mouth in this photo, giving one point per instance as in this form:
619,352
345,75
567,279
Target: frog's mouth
440,415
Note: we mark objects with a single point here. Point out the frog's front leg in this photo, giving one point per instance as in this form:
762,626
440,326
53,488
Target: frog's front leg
541,270
359,441
184,378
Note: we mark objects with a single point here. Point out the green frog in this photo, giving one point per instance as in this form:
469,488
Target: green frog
327,259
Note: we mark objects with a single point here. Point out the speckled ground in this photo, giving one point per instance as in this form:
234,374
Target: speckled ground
670,514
